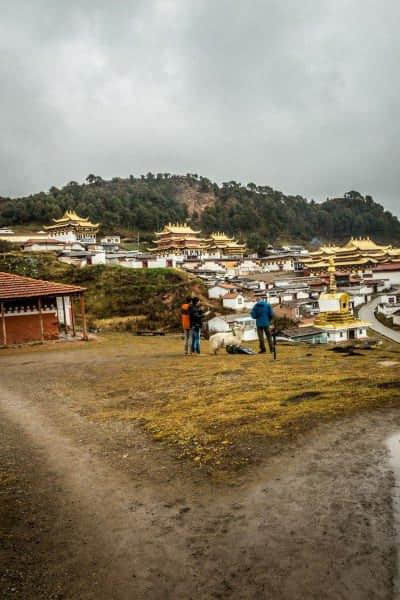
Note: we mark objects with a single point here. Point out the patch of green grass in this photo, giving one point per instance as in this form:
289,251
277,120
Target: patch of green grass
114,291
218,410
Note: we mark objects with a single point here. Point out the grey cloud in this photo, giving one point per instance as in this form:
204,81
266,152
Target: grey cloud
302,96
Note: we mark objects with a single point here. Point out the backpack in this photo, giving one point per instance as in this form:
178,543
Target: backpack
238,350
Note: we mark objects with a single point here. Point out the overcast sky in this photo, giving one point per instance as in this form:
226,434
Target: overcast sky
301,95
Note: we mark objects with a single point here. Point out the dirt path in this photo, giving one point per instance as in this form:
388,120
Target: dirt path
313,523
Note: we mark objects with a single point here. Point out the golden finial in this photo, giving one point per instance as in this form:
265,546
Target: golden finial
332,275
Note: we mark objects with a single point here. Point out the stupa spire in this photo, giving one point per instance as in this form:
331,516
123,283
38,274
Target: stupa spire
332,275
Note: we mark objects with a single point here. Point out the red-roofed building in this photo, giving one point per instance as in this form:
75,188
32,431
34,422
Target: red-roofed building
33,309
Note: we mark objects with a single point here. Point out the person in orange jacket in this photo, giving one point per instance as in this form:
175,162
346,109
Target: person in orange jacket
186,325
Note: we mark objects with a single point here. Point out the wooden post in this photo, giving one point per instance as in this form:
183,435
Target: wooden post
64,315
3,320
73,316
41,319
83,314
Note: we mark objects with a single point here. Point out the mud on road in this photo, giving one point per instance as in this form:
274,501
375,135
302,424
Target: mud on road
100,512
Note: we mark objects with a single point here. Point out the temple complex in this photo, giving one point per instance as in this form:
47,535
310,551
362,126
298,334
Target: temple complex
181,239
358,254
226,245
335,316
72,228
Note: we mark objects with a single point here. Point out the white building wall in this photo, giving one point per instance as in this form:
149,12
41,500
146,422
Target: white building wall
234,303
217,292
303,295
361,333
67,236
43,248
387,309
393,277
99,258
337,335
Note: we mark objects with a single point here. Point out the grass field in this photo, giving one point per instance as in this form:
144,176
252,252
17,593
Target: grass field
224,411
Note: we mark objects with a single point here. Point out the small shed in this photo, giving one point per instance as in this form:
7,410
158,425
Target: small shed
33,309
312,335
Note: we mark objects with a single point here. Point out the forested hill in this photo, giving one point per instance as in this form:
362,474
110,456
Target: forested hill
255,213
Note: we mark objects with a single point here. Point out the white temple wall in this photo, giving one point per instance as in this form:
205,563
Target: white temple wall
337,335
65,236
393,277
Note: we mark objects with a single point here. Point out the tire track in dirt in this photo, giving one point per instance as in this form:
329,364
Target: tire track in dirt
123,540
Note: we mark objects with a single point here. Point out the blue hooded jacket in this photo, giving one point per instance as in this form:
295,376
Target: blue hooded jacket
262,312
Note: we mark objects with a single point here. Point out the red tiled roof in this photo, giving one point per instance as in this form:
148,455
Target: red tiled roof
16,286
393,266
230,296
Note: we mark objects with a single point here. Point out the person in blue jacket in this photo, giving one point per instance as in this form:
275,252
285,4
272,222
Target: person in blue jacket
263,314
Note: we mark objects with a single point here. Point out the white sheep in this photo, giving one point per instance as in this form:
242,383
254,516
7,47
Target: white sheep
226,338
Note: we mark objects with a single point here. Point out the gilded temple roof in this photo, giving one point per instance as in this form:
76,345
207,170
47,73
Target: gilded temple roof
364,244
70,217
220,236
177,228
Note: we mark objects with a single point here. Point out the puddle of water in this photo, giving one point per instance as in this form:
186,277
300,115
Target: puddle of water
393,444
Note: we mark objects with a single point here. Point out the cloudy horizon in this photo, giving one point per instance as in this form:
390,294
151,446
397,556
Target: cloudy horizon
302,97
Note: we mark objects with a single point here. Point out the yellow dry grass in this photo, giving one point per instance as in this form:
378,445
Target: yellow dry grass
218,410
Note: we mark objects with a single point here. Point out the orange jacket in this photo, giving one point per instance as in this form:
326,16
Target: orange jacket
185,316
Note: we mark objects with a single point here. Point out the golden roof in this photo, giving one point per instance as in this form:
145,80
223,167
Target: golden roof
70,216
235,244
177,228
221,237
342,263
363,244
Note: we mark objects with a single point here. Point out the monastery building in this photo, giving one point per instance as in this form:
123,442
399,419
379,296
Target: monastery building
182,240
358,254
72,228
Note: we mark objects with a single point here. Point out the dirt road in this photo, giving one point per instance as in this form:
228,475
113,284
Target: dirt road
367,313
92,512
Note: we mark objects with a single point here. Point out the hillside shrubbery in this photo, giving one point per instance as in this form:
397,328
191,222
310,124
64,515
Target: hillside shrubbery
258,214
113,290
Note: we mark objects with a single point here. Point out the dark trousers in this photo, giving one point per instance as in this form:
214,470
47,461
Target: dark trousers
260,333
196,339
